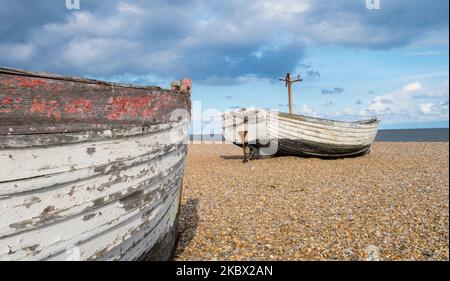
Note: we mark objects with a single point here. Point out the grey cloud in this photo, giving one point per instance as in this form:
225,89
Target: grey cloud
312,74
20,18
335,90
397,22
382,100
358,102
215,42
305,65
157,37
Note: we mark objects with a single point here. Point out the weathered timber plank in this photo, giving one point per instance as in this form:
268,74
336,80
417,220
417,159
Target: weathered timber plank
34,140
30,185
32,210
35,161
120,241
281,131
108,218
357,124
42,105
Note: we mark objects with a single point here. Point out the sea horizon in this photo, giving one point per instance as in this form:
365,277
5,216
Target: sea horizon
383,135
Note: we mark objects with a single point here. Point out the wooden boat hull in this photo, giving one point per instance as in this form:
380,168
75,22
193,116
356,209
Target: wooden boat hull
89,170
291,134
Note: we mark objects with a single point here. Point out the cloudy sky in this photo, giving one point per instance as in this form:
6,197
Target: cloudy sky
356,62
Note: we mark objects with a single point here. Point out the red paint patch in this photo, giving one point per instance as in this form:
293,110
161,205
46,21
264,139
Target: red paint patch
7,100
30,83
79,106
18,100
51,108
122,107
37,106
11,104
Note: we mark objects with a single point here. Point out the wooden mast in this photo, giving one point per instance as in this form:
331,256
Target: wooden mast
288,85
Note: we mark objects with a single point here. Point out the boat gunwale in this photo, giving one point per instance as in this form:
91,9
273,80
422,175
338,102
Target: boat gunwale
74,104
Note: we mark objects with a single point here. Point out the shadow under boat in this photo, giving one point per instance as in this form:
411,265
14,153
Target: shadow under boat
187,227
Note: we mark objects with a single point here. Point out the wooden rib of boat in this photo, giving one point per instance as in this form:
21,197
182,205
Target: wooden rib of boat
292,134
89,170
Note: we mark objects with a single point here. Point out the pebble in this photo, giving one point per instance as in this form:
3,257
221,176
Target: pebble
392,204
373,253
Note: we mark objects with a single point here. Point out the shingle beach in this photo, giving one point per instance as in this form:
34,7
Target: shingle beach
392,204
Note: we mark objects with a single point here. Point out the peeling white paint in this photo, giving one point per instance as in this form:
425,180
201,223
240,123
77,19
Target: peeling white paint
110,198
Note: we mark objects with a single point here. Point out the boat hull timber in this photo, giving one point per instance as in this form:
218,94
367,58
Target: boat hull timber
90,170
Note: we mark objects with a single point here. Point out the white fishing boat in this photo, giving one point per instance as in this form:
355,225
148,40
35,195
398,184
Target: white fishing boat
273,132
291,134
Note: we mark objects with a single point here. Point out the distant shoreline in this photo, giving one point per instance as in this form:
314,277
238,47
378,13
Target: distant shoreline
385,135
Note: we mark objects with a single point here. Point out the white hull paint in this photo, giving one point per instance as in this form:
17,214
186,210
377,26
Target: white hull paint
109,195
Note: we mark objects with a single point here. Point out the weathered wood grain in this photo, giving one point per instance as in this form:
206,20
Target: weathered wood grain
88,167
79,197
34,140
17,164
39,103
